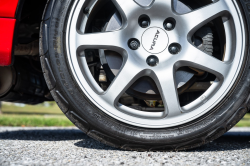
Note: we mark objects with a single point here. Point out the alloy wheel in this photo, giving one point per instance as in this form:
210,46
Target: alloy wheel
156,47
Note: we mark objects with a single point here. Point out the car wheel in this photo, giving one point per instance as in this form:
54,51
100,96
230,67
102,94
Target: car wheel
148,75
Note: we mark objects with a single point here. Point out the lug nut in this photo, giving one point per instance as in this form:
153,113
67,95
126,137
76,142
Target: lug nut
174,48
133,44
169,24
144,21
152,60
144,24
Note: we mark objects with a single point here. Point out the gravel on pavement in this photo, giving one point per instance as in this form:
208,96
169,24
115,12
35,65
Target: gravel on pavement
69,146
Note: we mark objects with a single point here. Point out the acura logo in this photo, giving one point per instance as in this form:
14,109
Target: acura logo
154,40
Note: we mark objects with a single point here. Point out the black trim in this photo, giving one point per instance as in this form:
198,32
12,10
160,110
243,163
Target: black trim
15,37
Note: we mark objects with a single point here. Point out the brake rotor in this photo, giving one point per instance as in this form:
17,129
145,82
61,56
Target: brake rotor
144,88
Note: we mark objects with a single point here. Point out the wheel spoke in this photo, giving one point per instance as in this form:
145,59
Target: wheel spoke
168,90
128,74
196,19
126,7
105,40
163,4
193,57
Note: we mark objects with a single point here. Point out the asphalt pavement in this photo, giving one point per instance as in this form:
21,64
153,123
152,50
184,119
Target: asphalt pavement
69,146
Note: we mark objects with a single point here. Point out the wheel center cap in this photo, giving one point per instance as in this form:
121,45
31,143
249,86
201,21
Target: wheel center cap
155,40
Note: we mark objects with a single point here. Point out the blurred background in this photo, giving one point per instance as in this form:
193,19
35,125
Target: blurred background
45,114
48,114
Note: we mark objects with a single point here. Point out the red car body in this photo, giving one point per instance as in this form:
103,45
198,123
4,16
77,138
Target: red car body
7,29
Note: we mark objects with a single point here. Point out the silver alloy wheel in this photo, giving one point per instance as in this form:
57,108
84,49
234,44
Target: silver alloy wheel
134,61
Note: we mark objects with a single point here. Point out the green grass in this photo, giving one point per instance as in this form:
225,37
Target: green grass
32,109
33,116
34,121
245,122
41,116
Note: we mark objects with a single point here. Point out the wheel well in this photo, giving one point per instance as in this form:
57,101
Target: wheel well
29,16
25,83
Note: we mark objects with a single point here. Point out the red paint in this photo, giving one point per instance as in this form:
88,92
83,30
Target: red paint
7,27
8,8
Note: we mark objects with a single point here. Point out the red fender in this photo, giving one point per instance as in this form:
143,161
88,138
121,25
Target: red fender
7,29
8,8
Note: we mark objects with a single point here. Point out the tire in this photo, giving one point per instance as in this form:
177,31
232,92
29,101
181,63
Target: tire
94,122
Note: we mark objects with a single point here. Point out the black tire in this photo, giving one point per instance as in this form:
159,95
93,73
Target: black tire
98,125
